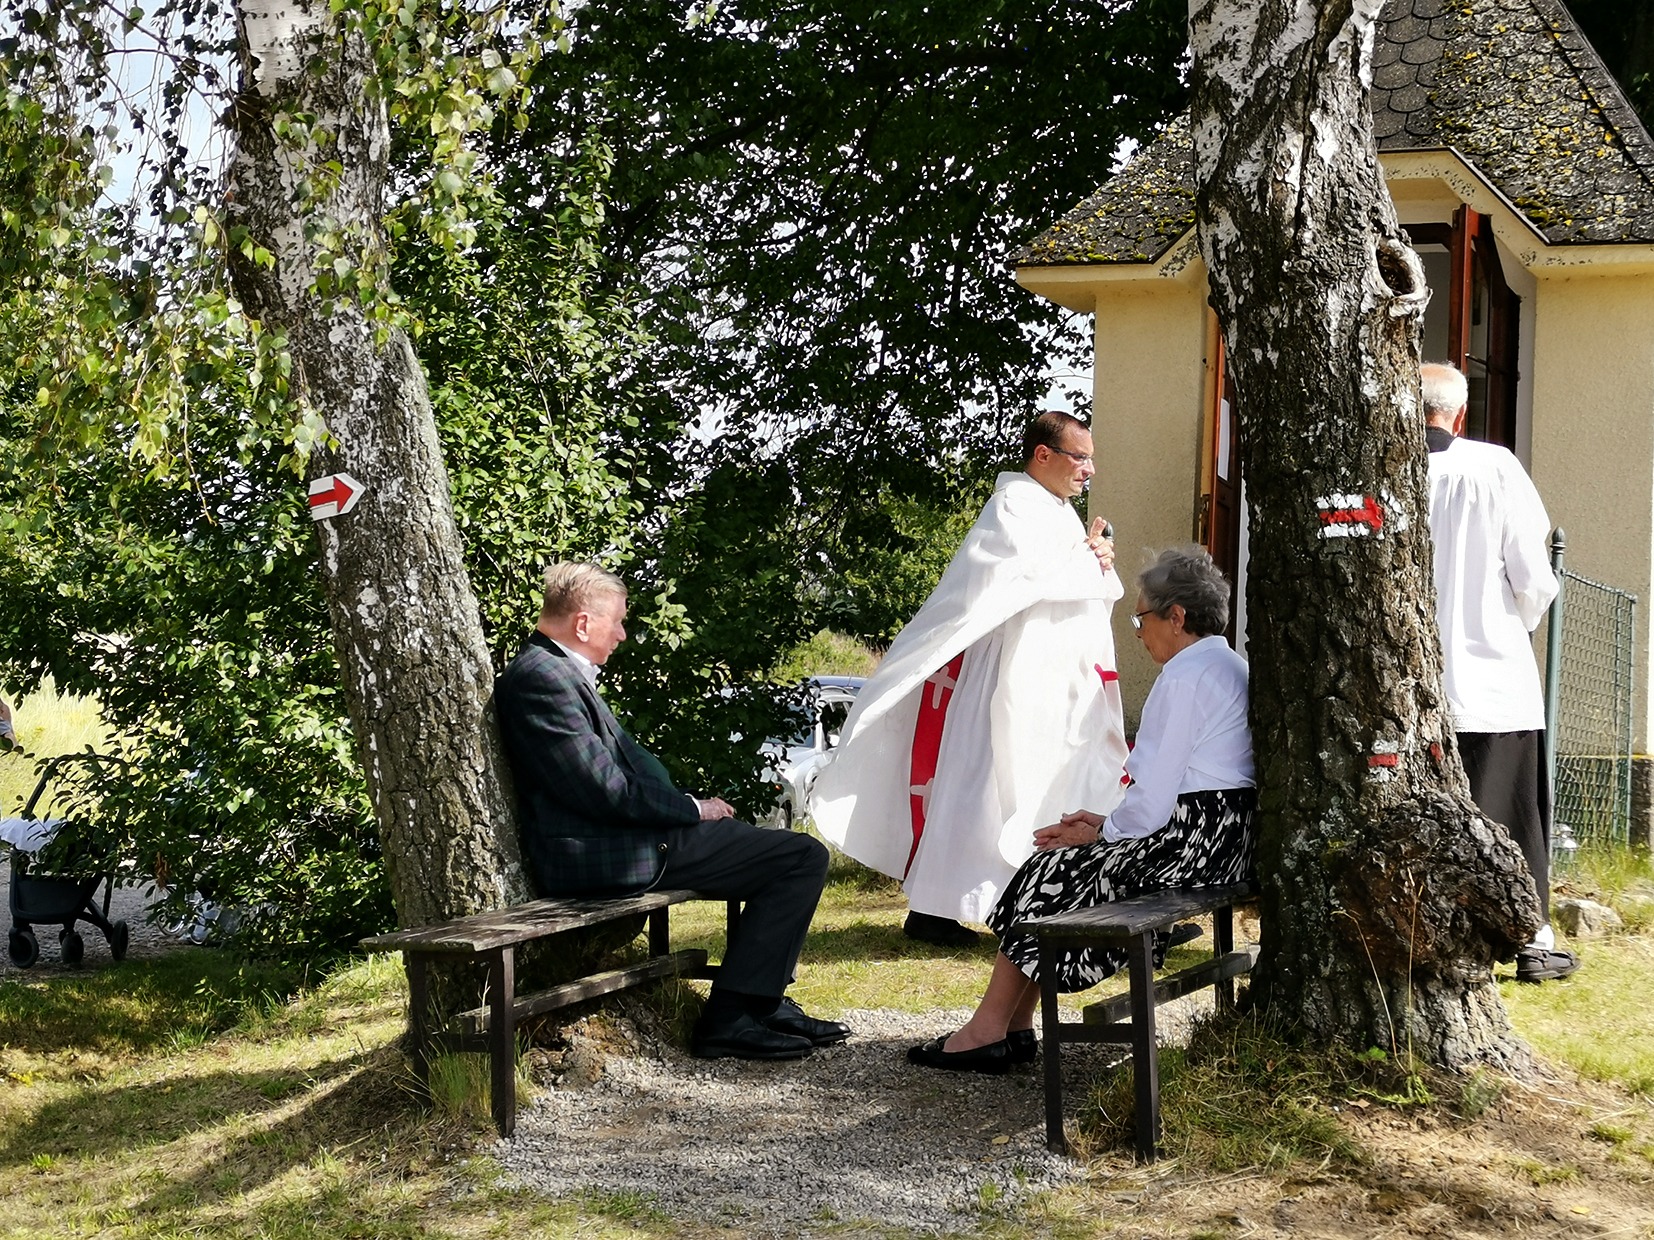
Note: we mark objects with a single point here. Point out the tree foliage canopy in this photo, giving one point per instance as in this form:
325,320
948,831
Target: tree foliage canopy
715,294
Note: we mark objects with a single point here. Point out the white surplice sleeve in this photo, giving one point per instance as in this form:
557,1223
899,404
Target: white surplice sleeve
1526,547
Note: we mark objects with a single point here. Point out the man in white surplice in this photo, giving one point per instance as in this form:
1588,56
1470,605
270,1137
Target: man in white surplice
1493,585
1014,654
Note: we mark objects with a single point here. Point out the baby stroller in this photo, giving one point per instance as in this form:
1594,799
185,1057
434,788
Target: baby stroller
56,869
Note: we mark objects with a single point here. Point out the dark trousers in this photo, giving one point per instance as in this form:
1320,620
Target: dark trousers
777,874
1509,783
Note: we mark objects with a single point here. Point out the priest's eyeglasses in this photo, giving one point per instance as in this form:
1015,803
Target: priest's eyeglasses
1080,458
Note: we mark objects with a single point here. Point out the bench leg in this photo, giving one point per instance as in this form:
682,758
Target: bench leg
660,933
1223,942
419,1009
1050,1020
1145,1052
502,1039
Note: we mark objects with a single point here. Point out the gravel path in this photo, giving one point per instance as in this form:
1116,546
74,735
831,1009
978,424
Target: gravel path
853,1134
127,903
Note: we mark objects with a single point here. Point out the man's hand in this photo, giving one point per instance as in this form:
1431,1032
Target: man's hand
1099,539
714,808
1079,827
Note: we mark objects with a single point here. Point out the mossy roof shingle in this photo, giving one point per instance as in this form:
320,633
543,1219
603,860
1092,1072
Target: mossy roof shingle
1510,84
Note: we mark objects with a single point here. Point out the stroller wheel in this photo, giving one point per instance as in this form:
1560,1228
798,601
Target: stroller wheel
23,948
72,946
117,940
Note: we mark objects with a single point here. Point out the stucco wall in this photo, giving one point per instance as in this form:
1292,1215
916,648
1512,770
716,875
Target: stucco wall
1593,436
1147,424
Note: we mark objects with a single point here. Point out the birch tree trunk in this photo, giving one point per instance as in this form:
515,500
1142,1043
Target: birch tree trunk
1387,896
406,628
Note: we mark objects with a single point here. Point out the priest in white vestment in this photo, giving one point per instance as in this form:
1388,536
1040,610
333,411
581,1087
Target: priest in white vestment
997,709
1493,585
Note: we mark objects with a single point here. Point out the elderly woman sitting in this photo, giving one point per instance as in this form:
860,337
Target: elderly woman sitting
1186,820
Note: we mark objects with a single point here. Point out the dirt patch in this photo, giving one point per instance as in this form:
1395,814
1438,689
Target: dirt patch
1560,1158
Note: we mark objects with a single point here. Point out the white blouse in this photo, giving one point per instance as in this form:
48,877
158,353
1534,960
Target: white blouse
1193,736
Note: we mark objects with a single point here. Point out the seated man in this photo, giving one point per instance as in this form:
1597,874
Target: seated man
600,817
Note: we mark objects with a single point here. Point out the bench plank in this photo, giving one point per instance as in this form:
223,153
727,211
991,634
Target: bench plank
1117,1008
522,923
1121,919
690,962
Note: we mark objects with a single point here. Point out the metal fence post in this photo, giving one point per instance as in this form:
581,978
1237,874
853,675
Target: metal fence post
1553,661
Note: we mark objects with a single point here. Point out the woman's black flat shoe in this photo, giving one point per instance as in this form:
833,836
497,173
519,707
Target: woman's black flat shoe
1021,1046
994,1058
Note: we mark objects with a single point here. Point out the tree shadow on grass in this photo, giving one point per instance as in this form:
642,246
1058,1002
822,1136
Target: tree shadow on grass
269,1122
134,1006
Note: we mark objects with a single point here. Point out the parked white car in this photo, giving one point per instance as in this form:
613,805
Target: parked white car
797,759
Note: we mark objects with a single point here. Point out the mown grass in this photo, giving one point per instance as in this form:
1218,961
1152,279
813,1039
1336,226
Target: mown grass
1597,1019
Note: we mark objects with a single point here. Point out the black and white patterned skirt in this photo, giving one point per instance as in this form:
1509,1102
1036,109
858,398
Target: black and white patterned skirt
1207,843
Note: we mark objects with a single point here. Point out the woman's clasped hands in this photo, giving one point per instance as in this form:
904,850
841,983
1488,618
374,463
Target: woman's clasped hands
1079,827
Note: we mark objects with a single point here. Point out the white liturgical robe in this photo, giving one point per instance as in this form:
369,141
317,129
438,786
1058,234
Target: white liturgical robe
1493,584
996,710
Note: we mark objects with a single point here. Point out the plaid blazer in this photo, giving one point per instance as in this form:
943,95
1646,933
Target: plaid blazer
595,806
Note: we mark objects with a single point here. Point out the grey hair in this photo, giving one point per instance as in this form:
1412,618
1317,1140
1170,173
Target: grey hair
1187,577
1444,389
572,587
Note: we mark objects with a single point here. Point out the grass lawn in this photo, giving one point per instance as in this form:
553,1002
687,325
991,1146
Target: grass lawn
187,1096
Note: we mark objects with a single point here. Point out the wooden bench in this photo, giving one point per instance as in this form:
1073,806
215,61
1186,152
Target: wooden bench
1129,1018
493,938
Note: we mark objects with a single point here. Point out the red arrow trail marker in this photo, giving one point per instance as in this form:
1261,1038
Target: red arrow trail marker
333,495
1347,516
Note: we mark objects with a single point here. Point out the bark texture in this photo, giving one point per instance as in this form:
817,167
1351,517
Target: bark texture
1387,897
417,679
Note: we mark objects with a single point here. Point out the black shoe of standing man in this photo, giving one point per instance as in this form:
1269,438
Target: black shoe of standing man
746,1037
943,931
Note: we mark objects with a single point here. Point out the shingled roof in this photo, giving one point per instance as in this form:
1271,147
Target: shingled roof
1511,85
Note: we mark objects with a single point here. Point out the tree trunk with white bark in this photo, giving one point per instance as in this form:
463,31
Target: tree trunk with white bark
409,639
1387,896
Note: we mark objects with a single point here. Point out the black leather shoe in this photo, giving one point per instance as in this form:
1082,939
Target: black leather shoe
994,1058
747,1038
1165,940
942,931
790,1018
1021,1046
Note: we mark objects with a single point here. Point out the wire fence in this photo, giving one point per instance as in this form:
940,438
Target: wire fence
1589,680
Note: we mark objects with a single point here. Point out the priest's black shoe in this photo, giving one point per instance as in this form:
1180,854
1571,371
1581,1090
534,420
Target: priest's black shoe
994,1058
790,1018
943,931
1165,940
746,1037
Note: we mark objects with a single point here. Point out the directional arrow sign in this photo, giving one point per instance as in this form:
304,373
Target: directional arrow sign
333,495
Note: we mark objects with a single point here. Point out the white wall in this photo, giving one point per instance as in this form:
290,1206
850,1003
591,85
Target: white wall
1593,435
1148,418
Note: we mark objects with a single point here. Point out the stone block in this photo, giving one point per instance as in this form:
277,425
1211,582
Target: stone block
1583,919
